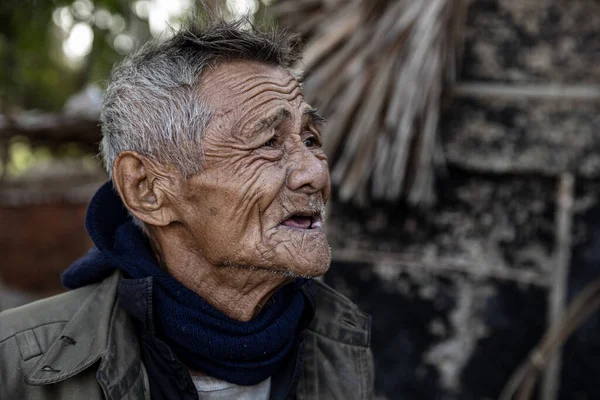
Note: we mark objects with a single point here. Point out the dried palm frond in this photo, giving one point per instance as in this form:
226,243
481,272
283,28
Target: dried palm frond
377,69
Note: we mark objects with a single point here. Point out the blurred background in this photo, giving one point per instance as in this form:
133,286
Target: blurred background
464,144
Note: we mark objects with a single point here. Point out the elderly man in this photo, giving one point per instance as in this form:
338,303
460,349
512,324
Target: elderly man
206,239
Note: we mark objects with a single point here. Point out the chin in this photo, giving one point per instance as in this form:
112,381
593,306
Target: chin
292,264
297,252
309,266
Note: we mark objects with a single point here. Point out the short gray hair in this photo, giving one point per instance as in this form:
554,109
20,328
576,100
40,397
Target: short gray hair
152,105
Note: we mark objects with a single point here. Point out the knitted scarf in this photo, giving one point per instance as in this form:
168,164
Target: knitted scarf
205,339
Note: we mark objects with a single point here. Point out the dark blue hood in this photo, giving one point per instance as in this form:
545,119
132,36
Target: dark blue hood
119,244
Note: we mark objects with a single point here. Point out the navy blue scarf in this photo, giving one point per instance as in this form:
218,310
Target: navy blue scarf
244,353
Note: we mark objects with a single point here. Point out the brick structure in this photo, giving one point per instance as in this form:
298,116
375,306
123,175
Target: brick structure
42,230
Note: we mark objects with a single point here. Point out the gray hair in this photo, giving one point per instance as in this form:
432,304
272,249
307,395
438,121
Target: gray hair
152,104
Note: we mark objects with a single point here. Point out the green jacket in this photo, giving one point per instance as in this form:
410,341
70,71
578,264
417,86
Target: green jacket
83,345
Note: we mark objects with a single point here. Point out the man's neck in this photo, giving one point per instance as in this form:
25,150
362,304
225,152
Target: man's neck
238,292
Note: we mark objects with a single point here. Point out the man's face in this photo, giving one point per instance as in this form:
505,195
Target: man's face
259,200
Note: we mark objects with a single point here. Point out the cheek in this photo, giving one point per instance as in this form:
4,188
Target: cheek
257,182
215,226
230,210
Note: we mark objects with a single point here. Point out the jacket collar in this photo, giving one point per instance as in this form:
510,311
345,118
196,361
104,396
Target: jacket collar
339,319
78,348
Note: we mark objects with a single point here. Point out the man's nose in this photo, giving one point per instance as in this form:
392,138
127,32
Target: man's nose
307,173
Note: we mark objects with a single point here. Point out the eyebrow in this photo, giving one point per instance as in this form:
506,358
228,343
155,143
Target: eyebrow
273,120
281,114
314,116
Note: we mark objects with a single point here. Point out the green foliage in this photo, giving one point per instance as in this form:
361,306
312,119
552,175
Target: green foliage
23,156
37,71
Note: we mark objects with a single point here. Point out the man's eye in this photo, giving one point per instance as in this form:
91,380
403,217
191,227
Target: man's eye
312,142
270,143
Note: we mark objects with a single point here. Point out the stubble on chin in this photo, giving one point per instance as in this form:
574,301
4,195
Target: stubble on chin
285,271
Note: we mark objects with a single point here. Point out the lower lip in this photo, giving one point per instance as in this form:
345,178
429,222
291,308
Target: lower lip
317,229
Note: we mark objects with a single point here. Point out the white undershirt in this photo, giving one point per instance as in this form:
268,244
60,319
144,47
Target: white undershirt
210,388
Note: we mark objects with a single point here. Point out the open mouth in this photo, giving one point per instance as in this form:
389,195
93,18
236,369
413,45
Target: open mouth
304,220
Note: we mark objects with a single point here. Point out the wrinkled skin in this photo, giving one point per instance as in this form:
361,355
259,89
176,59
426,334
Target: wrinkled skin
254,175
226,232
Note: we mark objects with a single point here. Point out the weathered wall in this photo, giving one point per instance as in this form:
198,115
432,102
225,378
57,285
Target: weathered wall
460,294
450,290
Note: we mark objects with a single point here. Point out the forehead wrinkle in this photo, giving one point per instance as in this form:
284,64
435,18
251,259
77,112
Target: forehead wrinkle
268,80
288,98
249,120
254,77
269,122
238,83
293,92
246,95
289,90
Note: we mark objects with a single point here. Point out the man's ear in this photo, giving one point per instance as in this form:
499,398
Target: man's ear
135,177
